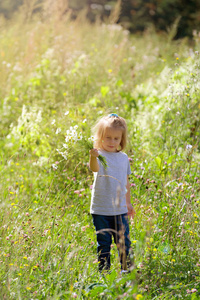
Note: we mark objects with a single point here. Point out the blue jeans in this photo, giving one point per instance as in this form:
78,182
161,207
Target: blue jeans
106,227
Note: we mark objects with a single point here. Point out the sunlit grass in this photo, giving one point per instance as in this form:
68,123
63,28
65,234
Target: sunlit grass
68,73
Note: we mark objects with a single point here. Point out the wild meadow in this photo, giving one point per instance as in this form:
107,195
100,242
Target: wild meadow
58,77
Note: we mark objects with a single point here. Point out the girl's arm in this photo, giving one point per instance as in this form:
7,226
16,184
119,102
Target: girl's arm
131,211
93,163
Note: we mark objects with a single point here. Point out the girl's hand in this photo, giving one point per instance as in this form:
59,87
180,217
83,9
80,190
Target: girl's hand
94,152
93,164
131,211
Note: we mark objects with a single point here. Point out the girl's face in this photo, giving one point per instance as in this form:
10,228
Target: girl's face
111,139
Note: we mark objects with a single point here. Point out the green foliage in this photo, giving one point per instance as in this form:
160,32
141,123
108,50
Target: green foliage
28,134
51,97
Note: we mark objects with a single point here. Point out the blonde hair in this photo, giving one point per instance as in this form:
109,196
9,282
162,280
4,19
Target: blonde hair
110,121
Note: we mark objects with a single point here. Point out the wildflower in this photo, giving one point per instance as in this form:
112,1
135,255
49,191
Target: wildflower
188,147
58,130
193,290
198,265
83,228
74,295
138,297
54,166
77,192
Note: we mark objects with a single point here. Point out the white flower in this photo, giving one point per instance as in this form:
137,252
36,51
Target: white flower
65,146
66,113
54,166
58,130
188,147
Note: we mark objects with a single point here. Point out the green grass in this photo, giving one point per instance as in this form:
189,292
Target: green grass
61,74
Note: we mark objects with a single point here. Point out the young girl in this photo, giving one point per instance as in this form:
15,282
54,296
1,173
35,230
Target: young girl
110,204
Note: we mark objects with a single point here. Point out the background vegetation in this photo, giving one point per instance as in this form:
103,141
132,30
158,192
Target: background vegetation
134,15
57,77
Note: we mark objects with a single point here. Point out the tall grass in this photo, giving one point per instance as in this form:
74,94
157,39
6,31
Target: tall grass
57,74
